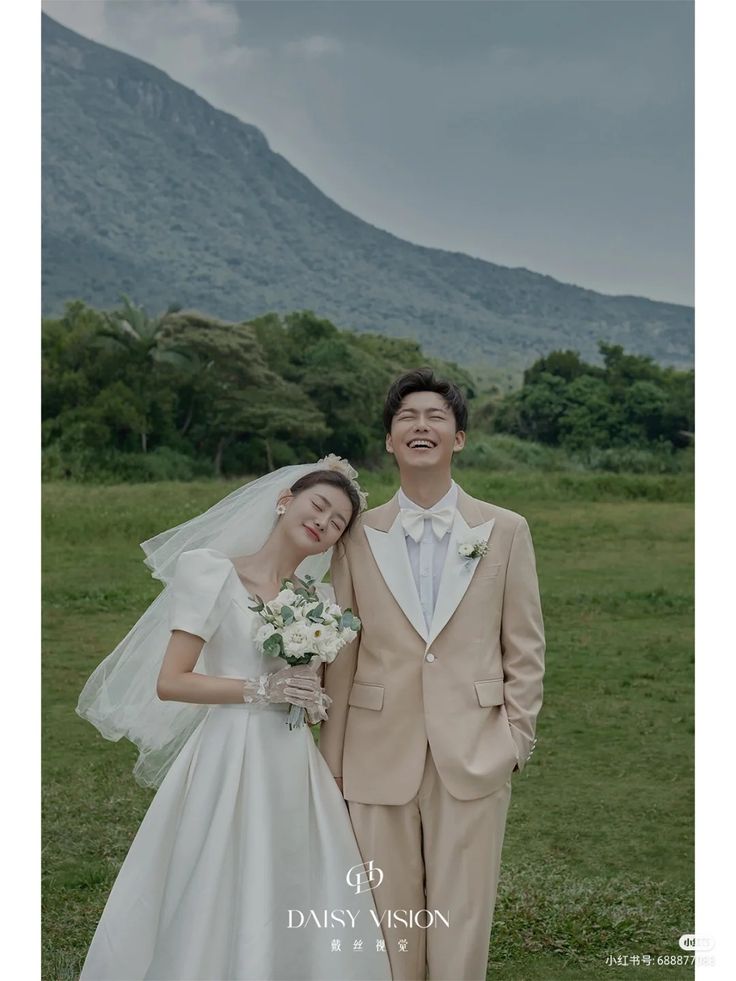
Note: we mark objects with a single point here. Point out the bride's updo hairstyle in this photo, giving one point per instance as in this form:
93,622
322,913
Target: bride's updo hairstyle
336,479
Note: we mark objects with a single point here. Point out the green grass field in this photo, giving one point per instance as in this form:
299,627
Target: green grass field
599,849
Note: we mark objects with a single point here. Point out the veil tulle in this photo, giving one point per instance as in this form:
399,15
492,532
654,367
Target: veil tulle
120,698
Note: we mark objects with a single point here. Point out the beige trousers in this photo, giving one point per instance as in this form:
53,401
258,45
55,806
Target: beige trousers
440,854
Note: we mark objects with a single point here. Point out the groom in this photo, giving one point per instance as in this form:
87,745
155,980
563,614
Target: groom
435,703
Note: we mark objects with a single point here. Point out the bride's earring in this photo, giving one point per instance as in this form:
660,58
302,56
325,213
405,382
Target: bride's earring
281,509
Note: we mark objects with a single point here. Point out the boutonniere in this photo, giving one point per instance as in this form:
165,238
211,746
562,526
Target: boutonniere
473,550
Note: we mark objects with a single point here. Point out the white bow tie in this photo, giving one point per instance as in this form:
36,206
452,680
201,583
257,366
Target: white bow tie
412,520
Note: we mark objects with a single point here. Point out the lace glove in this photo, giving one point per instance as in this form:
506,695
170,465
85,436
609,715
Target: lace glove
319,712
297,685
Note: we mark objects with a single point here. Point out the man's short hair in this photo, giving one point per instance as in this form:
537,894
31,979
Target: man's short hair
424,380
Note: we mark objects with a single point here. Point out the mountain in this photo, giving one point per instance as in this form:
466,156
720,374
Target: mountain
151,191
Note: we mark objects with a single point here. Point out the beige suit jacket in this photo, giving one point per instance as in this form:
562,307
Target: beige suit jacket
470,684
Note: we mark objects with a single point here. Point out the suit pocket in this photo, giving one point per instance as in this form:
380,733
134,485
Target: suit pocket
489,692
366,696
489,571
505,713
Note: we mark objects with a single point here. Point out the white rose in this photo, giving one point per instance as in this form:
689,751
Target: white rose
330,647
317,637
264,633
466,550
287,597
297,639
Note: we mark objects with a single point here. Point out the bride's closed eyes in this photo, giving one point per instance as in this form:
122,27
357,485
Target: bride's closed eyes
334,522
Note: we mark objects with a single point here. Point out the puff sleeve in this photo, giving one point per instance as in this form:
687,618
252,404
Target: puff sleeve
200,598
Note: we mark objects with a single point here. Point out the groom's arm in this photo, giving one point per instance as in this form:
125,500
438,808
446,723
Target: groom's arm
338,677
522,642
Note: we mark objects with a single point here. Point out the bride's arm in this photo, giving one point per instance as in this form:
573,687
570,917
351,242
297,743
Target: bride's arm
178,682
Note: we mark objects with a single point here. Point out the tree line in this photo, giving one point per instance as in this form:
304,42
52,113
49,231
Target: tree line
130,397
184,394
628,401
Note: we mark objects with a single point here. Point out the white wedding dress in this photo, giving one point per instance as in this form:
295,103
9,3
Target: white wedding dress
247,825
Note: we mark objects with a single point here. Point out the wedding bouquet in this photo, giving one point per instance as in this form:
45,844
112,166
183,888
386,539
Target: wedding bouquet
297,625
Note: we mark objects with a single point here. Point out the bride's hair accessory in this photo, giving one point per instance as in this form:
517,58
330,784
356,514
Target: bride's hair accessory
334,462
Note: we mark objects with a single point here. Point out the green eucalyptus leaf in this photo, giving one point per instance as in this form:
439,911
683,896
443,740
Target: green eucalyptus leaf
349,620
316,613
273,646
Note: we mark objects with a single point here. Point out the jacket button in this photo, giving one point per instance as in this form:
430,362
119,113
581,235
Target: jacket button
429,657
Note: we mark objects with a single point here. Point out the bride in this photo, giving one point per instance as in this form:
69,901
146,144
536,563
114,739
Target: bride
245,865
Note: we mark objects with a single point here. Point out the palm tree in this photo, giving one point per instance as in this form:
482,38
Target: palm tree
146,339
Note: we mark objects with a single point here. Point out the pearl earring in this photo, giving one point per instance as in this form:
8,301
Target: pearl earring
281,509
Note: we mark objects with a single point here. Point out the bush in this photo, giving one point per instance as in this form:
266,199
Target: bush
503,452
632,459
511,454
250,456
85,465
632,402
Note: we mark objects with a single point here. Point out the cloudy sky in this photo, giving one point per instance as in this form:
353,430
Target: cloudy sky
551,134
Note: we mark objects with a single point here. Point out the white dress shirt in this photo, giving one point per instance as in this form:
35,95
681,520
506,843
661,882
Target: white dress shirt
427,557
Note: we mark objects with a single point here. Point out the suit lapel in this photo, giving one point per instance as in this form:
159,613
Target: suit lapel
388,544
458,572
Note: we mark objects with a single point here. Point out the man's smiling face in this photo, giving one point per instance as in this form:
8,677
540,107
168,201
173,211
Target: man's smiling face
423,433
